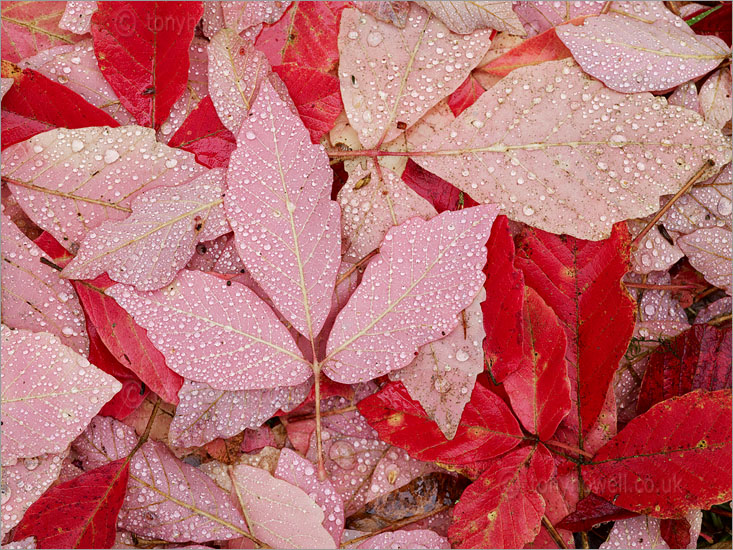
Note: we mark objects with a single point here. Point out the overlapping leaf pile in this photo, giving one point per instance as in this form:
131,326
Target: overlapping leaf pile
365,274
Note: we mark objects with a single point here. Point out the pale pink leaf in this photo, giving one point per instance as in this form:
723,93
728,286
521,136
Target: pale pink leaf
655,253
49,394
204,413
370,206
685,95
538,17
75,66
229,261
77,16
716,309
34,296
298,471
286,227
5,85
443,374
213,19
166,498
467,17
71,181
223,335
414,539
389,12
629,50
208,253
25,544
425,274
279,513
644,533
243,15
562,153
709,251
501,44
236,71
715,98
24,482
427,62
147,249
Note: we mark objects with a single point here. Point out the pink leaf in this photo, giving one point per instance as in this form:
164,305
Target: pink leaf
166,498
709,251
644,53
238,342
243,15
34,296
45,408
236,70
467,17
106,176
644,532
407,94
279,513
389,12
685,95
654,252
278,202
490,153
147,249
537,17
402,538
715,98
411,294
370,206
443,374
77,16
300,472
204,413
24,482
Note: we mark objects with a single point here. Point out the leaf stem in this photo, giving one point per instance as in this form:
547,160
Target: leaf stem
662,211
249,535
393,526
323,413
148,427
356,266
646,286
553,533
570,448
319,438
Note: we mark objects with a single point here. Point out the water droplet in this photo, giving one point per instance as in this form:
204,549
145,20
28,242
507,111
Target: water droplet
375,38
250,135
343,454
110,156
77,145
725,207
171,163
462,355
528,210
353,35
441,385
5,491
30,463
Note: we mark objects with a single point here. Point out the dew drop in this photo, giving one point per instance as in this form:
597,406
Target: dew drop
375,38
77,145
110,156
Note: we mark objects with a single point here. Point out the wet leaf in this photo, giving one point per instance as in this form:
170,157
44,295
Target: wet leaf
538,17
466,17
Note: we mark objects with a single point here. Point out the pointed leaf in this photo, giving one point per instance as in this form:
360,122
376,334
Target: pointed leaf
502,508
540,389
142,48
465,96
538,17
239,344
424,68
644,53
49,394
443,374
34,296
648,532
280,514
77,16
591,511
410,295
674,457
402,538
466,17
278,203
438,192
147,249
487,427
712,21
593,169
685,95
106,175
236,70
709,251
715,98
80,513
389,12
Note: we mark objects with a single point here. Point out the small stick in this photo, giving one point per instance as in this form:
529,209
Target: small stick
570,448
322,475
646,286
553,533
396,525
148,427
356,266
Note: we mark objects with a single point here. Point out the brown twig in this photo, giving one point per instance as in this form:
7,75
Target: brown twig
394,526
356,266
148,427
646,286
553,532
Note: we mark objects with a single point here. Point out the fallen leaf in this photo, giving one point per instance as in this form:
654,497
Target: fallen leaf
243,15
467,17
709,252
389,12
591,511
538,17
77,16
402,538
31,28
715,98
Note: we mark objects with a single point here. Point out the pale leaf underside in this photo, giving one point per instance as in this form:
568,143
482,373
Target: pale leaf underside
467,16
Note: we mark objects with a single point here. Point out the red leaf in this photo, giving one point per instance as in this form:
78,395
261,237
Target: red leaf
203,134
540,390
441,194
717,23
465,96
127,341
581,281
36,104
502,508
486,429
674,457
307,35
502,309
80,513
700,357
591,511
675,532
142,50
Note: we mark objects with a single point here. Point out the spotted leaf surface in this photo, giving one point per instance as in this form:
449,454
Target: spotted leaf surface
70,181
49,394
593,156
280,514
715,98
204,413
443,374
646,532
422,67
278,203
402,538
147,249
411,293
537,17
239,345
370,206
236,70
34,297
630,50
389,12
243,15
709,252
77,16
466,17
